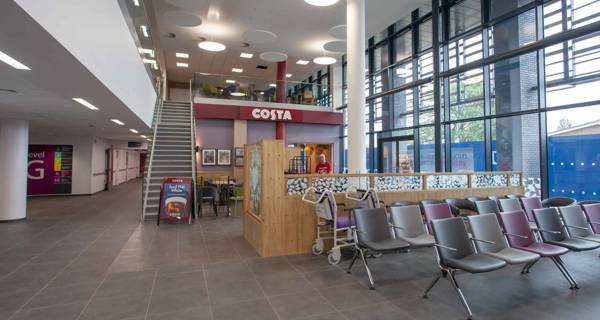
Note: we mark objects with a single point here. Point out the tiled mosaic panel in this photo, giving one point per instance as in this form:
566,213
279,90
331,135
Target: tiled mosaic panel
533,187
297,186
447,182
515,180
488,180
398,183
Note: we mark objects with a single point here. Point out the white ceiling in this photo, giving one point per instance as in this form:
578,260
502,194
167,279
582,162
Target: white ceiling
302,30
44,94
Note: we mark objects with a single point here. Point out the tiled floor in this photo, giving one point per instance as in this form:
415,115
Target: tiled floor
90,258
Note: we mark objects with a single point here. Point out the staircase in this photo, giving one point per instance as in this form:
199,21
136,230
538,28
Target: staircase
171,152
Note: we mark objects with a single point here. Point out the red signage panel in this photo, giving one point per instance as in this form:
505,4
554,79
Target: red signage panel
214,111
270,114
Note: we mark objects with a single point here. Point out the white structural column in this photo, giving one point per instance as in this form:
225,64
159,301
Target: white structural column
14,144
357,139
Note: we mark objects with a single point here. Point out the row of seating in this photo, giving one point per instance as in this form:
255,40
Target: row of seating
500,235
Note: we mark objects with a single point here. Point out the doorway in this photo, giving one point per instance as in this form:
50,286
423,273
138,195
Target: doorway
396,154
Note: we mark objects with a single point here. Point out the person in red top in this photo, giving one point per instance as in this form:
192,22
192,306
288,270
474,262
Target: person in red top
323,167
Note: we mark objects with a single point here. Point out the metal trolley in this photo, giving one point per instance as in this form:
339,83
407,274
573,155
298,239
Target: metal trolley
329,225
365,198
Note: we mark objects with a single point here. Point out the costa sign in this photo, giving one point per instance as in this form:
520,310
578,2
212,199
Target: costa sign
270,114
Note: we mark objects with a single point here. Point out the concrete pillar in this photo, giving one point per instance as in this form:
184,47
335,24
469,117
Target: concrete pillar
240,135
281,86
357,139
14,145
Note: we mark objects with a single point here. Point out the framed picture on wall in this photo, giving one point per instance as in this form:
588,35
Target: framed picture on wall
239,162
239,152
209,157
224,157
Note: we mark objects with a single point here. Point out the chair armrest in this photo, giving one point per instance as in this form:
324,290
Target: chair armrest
550,231
576,227
595,222
484,241
395,227
351,209
516,235
585,239
445,247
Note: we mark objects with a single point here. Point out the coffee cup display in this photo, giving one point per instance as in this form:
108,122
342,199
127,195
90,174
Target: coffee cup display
175,207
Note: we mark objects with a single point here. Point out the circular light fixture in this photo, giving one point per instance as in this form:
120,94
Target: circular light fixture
237,94
321,3
211,46
324,60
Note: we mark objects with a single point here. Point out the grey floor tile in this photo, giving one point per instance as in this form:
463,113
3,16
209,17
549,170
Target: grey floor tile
381,311
227,292
62,312
249,310
116,308
202,313
301,305
175,300
125,287
62,295
277,285
351,296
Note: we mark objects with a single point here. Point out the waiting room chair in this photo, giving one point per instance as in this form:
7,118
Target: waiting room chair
464,206
515,196
507,205
407,222
474,199
586,202
455,252
520,236
487,206
529,204
592,211
487,229
496,198
553,231
558,202
436,211
403,203
577,224
373,236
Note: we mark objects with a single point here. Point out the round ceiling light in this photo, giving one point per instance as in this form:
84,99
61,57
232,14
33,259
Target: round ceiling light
259,36
338,32
337,46
211,46
237,94
321,3
272,56
324,60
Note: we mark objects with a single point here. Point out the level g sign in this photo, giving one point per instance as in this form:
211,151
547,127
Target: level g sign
270,114
49,169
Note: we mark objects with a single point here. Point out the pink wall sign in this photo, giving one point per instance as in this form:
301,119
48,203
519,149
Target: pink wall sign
49,169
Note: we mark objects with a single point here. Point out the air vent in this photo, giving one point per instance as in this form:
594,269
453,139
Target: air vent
261,67
134,144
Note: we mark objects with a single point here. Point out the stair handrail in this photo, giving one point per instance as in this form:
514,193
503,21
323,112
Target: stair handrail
193,145
152,144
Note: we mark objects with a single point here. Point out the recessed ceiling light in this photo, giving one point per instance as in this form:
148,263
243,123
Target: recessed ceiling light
12,62
302,62
182,64
321,3
182,55
324,60
229,81
145,31
143,136
117,121
133,130
211,46
288,75
85,103
149,140
262,92
149,52
136,3
272,85
238,70
237,94
246,55
145,60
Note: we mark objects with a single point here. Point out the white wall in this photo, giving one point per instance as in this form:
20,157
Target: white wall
82,158
96,33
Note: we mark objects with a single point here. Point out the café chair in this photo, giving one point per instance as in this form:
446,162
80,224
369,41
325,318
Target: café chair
507,205
454,252
520,236
486,227
372,237
487,206
209,194
408,226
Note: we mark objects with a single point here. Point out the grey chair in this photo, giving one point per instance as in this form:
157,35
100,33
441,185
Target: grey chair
464,206
552,231
492,243
508,205
474,199
455,252
487,206
408,225
577,224
403,203
558,202
423,203
373,236
496,198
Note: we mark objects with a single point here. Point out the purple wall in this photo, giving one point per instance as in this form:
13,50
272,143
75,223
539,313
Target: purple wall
215,134
259,130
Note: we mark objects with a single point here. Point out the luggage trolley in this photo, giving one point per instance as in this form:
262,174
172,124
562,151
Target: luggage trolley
339,229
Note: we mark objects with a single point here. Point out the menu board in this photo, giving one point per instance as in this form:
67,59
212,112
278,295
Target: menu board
176,199
49,169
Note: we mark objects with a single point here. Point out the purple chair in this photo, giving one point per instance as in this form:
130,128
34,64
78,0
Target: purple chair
529,204
520,236
436,211
592,211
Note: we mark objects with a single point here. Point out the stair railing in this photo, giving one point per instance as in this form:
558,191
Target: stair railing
193,146
152,144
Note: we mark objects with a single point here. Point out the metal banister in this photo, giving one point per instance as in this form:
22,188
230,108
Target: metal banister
193,145
150,161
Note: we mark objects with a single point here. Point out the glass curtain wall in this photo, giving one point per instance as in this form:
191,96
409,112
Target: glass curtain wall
516,89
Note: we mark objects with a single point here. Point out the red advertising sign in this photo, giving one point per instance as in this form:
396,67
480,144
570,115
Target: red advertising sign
176,199
270,114
49,169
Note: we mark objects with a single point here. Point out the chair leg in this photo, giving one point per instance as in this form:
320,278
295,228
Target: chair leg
353,260
432,284
562,264
364,259
460,294
528,266
214,204
559,266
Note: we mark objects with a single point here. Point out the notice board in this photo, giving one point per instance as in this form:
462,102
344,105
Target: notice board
49,169
176,199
